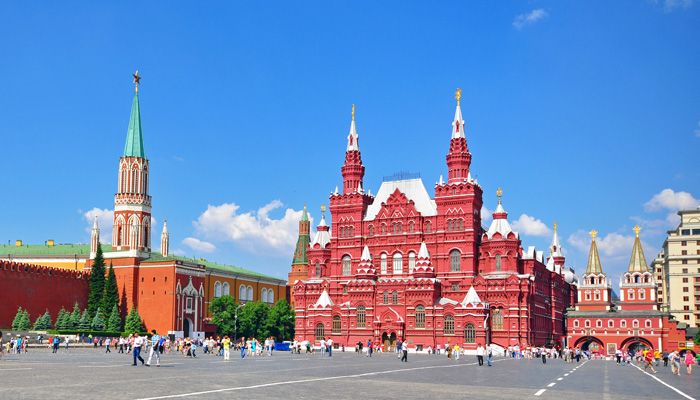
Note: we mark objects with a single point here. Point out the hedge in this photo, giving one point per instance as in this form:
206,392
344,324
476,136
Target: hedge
93,333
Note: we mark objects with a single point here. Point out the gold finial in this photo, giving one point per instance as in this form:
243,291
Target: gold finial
137,80
593,233
555,227
636,230
353,112
323,208
499,194
458,95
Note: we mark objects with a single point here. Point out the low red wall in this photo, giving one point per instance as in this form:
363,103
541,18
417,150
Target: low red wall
37,289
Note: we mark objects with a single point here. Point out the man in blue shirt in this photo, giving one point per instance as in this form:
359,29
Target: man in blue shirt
155,349
56,341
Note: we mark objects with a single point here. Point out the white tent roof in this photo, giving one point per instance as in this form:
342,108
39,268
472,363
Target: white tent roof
412,188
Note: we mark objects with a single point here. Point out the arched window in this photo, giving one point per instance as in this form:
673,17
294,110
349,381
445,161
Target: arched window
249,291
587,323
383,229
226,289
270,296
320,331
386,297
575,323
336,325
498,262
455,258
640,294
469,334
611,323
361,316
395,297
635,324
630,294
398,263
346,265
383,263
242,293
623,324
427,226
420,317
371,230
411,226
411,262
318,269
598,323
497,321
263,295
217,289
647,324
449,327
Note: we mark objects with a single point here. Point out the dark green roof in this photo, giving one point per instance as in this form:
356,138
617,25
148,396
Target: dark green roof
212,266
134,137
45,250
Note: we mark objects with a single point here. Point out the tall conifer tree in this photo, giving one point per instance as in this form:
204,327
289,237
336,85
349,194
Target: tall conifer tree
110,297
96,282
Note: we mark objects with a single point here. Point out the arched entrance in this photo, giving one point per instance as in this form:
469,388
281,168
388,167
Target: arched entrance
186,327
590,343
389,340
633,344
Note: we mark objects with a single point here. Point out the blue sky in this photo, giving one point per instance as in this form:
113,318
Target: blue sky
586,113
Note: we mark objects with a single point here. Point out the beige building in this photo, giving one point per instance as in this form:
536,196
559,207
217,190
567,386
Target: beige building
678,267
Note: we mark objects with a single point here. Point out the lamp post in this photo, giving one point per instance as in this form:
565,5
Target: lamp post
235,322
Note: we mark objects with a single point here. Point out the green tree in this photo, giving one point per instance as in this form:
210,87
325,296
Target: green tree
114,323
43,322
110,297
62,319
74,317
18,318
223,314
252,320
696,339
133,321
84,322
24,322
280,320
98,323
96,282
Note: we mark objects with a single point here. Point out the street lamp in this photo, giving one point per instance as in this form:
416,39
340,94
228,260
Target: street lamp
235,322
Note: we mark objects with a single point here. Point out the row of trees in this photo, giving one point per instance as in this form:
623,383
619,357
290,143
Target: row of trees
103,293
77,320
252,319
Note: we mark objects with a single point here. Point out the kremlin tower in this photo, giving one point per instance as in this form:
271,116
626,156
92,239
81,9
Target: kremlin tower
132,204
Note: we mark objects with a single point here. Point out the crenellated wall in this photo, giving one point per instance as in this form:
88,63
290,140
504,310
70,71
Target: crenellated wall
38,288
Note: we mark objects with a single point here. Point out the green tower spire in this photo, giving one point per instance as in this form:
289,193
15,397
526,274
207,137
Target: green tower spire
134,137
303,241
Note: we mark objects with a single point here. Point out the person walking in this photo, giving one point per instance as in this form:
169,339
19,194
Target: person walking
370,348
226,344
543,353
675,359
155,349
456,352
108,342
404,351
329,346
618,356
138,343
56,341
489,355
243,349
480,355
648,360
664,356
689,361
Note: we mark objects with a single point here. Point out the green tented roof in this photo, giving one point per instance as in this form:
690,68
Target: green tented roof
134,136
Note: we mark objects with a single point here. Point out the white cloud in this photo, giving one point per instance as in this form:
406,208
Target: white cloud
105,219
198,245
669,200
531,226
254,231
486,214
530,18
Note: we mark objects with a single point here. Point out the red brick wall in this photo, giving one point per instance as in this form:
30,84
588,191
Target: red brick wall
37,289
